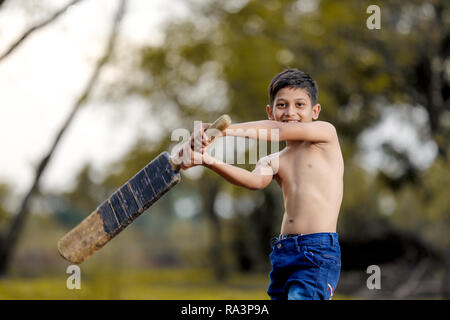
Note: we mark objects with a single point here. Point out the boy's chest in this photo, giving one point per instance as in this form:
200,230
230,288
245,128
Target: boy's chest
299,160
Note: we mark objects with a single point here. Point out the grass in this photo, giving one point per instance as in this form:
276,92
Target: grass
159,284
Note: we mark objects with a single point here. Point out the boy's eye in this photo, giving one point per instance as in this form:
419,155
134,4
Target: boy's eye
282,105
300,104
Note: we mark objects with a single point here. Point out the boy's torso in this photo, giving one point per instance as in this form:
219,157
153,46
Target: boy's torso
311,178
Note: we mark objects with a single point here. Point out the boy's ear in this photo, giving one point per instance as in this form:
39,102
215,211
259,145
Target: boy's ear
269,112
316,111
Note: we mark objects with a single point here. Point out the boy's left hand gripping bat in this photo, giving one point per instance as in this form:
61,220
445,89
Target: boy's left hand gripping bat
125,205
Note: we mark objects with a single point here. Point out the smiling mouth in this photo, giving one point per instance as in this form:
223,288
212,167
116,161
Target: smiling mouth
290,121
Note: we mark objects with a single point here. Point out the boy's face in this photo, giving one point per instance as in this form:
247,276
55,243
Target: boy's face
293,104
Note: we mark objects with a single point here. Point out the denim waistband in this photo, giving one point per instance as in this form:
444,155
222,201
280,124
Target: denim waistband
324,238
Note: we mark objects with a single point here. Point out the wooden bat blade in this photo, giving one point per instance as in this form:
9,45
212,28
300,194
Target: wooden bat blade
120,209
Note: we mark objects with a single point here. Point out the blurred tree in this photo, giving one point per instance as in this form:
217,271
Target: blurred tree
13,232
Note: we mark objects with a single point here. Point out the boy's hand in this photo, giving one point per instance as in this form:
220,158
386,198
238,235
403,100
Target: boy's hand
194,151
199,141
191,158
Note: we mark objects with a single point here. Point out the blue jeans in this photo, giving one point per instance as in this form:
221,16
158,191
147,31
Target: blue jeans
304,267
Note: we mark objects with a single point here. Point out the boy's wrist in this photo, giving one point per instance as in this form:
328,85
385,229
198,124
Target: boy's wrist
208,161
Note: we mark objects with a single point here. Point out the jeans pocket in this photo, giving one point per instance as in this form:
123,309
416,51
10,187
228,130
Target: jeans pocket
313,257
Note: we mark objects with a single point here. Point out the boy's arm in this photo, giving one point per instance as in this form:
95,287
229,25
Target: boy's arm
259,178
317,131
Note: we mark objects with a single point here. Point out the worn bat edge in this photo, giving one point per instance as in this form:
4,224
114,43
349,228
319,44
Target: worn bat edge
76,247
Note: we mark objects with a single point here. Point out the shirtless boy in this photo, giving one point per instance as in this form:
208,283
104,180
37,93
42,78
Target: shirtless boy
305,258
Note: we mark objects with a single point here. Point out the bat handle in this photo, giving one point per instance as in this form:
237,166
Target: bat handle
220,124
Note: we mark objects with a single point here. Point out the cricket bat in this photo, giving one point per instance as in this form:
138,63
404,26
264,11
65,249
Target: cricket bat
125,204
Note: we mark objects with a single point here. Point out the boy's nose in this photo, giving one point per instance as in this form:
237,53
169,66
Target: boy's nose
291,111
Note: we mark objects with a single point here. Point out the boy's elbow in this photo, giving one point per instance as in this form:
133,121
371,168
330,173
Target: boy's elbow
254,185
258,187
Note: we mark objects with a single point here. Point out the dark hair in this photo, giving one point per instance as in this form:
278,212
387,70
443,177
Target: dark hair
293,78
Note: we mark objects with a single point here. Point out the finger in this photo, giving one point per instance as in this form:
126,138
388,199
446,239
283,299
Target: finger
208,141
197,146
